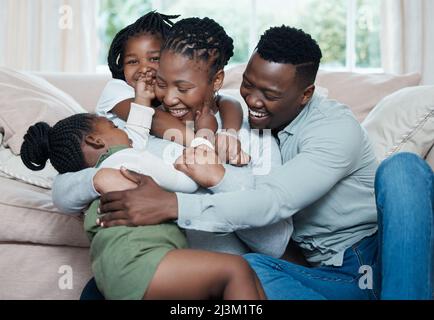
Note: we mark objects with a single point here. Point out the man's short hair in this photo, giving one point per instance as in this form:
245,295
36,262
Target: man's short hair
292,46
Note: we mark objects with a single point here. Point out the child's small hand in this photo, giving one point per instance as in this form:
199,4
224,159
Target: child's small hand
229,150
145,88
202,165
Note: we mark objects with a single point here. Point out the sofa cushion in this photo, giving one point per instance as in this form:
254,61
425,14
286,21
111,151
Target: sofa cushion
27,214
403,121
73,84
361,92
26,99
36,272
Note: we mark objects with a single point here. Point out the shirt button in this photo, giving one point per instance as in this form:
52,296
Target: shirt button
187,222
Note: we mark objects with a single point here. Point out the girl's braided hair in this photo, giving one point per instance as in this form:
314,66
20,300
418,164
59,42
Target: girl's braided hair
60,144
153,23
202,39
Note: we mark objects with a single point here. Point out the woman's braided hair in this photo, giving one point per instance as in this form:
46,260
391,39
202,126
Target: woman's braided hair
60,144
202,39
153,23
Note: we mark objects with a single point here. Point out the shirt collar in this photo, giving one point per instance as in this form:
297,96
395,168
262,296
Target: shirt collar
291,128
109,152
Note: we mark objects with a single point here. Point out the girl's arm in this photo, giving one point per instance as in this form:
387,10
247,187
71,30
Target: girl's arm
161,124
228,144
231,113
122,109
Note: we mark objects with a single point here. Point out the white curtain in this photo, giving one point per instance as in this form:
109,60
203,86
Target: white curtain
407,37
48,35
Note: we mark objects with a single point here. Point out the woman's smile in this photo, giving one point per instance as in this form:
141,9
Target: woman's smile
178,112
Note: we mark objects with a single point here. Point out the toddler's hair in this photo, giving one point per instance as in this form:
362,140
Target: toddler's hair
202,39
153,22
61,144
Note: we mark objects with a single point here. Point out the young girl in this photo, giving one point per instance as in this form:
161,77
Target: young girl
134,51
137,263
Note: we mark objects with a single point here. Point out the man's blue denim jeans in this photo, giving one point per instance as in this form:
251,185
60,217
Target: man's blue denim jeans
405,202
284,280
404,261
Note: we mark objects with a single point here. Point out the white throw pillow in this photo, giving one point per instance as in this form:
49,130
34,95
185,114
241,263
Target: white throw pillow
11,166
26,99
2,174
403,121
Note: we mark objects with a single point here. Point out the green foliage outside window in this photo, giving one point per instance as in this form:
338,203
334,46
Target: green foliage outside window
326,21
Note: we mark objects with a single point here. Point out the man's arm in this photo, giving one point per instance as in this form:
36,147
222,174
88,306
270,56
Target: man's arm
327,155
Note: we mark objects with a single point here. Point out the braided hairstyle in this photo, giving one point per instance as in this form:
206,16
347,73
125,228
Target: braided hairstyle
201,39
153,23
60,144
292,46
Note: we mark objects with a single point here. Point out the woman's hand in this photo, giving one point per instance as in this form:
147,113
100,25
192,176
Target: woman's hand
148,204
202,165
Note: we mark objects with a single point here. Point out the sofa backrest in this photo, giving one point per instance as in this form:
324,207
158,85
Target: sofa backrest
84,88
361,92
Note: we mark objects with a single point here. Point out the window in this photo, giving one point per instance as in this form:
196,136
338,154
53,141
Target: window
348,31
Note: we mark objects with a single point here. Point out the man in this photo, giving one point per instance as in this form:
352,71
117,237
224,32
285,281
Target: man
326,183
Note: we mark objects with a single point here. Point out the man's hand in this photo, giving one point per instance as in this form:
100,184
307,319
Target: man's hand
229,150
148,204
109,180
202,165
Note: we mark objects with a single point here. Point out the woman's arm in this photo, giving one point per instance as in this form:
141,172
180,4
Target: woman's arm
168,127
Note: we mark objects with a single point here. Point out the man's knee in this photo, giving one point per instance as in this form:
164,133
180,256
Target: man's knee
403,166
258,262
